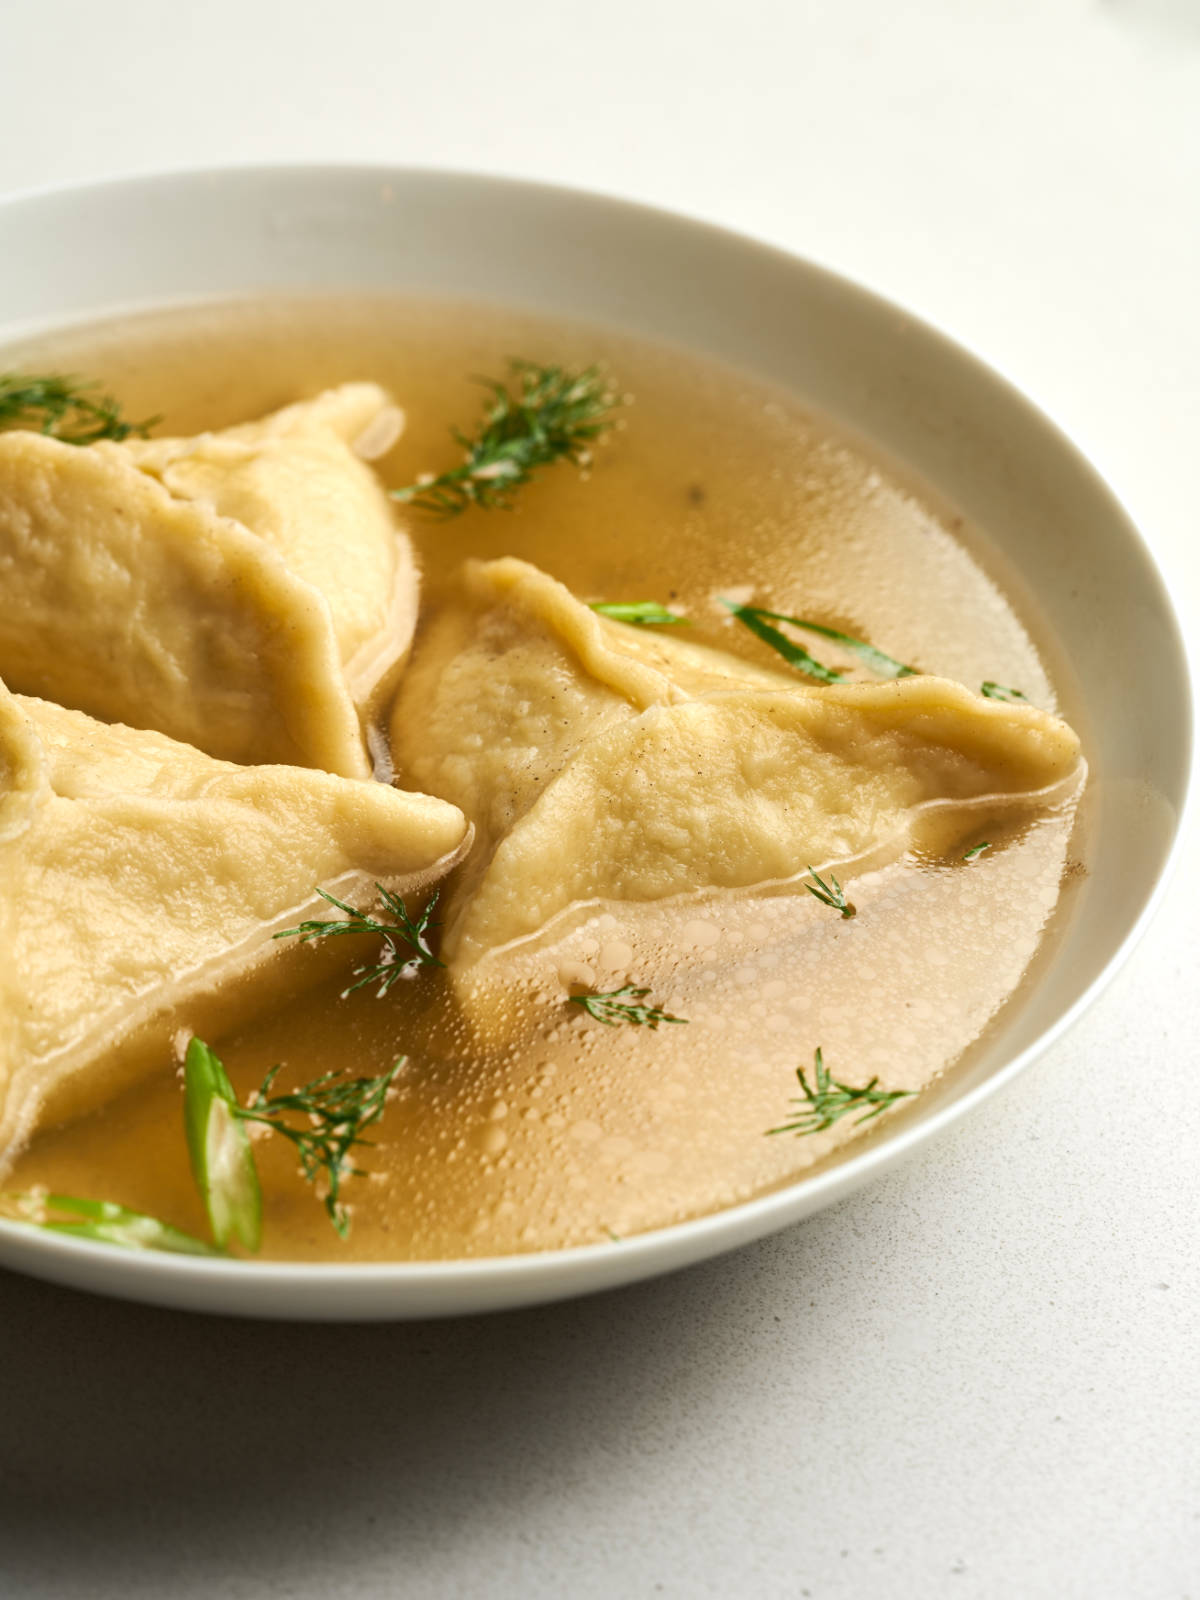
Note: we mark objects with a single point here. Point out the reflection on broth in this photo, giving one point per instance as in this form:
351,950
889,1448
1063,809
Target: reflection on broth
520,1120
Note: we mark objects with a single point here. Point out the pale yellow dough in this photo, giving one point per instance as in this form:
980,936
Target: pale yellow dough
141,882
598,761
246,591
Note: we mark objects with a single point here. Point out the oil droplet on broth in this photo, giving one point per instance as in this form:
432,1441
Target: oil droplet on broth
522,1123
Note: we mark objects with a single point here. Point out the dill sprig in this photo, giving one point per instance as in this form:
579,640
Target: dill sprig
406,942
829,1101
641,613
103,1221
334,1112
998,691
76,413
621,1005
829,894
543,415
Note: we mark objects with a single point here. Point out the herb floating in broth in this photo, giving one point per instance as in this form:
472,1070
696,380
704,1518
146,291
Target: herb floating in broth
830,1100
102,1221
759,622
333,1110
223,1164
621,1005
545,414
406,943
884,666
880,663
829,894
794,654
641,613
977,850
73,412
334,1114
997,691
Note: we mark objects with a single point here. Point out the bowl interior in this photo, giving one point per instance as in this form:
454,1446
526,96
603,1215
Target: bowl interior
912,394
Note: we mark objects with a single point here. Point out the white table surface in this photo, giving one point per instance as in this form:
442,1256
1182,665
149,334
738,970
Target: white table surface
982,1376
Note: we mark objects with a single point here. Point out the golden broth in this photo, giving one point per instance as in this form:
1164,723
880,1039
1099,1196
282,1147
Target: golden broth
519,1122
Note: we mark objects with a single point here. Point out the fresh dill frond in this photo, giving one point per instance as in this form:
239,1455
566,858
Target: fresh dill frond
334,1111
977,850
76,413
406,942
641,613
622,1005
759,622
829,894
828,1101
997,691
101,1220
542,415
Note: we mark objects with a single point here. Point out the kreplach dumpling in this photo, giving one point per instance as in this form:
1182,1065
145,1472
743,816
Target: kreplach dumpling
141,883
601,762
247,591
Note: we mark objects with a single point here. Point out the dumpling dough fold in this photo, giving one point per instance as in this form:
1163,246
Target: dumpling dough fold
246,591
598,762
141,882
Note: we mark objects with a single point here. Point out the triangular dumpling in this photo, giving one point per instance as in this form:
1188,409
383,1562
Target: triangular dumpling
514,672
600,762
141,881
246,591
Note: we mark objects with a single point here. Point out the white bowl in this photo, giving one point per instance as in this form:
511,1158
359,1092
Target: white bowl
75,253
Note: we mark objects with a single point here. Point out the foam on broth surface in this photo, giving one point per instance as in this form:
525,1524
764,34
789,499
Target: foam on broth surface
520,1123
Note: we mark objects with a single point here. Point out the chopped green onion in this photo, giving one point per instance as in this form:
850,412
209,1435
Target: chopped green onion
641,613
997,691
103,1220
878,661
794,654
219,1146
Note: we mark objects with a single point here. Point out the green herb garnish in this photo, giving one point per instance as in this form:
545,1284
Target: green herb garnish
794,654
641,613
544,415
829,1101
977,850
76,413
219,1149
333,1112
883,665
101,1220
997,691
406,943
829,894
620,1005
759,622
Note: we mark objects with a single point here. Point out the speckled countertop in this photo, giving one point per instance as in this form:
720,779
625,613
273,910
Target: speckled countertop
978,1378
